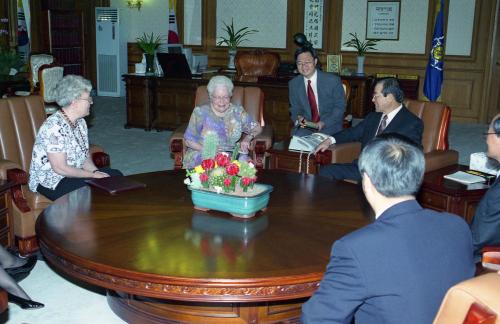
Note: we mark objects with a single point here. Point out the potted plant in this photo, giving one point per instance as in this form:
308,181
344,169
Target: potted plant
234,39
361,47
149,44
9,59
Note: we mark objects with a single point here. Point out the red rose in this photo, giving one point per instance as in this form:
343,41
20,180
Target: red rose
232,169
204,177
227,182
208,164
246,181
222,159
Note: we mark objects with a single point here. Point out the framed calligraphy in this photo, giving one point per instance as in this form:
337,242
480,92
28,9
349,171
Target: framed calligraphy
313,22
382,19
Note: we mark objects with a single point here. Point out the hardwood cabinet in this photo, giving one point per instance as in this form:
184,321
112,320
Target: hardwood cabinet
6,224
64,38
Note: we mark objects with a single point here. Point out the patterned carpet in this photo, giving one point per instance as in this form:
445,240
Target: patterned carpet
136,151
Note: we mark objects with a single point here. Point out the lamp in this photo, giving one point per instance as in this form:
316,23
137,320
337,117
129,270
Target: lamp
301,40
135,4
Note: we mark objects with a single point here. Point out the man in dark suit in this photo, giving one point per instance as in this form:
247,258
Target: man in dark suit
485,225
315,96
397,269
391,116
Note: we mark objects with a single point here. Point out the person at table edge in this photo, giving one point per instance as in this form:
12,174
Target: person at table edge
327,90
398,268
390,116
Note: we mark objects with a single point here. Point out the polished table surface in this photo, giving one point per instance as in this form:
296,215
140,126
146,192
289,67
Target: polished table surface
152,242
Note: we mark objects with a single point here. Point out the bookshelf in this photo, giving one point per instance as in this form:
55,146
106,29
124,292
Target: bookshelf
65,39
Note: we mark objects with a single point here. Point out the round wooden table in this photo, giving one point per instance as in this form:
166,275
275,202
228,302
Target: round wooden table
161,260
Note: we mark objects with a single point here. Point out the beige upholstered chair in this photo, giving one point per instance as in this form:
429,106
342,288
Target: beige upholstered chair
36,61
20,119
252,99
49,76
436,118
474,301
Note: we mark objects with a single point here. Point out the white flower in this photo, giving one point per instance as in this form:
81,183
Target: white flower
218,189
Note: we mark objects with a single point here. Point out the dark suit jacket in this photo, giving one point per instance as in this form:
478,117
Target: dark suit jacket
395,270
485,225
331,100
404,123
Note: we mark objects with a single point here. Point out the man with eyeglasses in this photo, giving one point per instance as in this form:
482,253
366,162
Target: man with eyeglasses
485,225
390,116
316,98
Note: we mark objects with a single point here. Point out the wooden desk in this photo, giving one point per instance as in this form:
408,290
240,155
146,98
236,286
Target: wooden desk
446,195
161,103
10,84
164,261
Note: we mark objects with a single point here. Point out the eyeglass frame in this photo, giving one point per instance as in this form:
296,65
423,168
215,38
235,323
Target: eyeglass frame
224,98
307,63
90,100
490,133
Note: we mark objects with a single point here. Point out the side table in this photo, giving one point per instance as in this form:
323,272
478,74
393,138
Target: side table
447,195
6,222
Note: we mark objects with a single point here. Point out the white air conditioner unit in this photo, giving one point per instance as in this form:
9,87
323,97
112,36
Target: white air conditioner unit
111,53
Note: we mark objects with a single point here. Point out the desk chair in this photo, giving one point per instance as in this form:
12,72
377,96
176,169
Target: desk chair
252,64
20,119
252,99
436,118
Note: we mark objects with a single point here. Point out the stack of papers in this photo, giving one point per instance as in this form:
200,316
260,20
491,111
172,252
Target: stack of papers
464,177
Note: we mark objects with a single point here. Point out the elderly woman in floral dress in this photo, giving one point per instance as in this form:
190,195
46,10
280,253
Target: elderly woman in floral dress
230,123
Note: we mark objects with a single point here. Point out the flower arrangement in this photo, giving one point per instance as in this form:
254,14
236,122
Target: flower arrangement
149,43
222,173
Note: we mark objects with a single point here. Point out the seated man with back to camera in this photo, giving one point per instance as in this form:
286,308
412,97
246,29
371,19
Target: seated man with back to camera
390,116
315,96
485,225
61,160
397,269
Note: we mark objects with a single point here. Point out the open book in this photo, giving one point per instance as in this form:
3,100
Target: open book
306,143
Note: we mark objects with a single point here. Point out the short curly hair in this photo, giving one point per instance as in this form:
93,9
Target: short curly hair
70,88
218,81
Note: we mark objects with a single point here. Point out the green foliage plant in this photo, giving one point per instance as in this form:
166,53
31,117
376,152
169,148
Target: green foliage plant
361,46
235,38
9,59
149,43
210,143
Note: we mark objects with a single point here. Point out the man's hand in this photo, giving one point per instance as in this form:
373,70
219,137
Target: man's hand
320,125
323,146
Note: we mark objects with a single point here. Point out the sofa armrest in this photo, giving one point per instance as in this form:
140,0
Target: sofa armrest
19,177
6,165
438,159
345,152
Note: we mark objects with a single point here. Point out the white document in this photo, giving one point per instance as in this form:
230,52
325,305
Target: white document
306,143
464,177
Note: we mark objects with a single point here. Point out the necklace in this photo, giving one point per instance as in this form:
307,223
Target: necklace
79,139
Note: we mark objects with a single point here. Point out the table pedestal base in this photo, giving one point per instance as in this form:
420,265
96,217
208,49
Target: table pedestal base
136,309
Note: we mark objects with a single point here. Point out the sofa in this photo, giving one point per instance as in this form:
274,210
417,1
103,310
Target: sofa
20,118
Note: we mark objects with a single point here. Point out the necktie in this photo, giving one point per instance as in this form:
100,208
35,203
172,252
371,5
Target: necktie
382,126
312,103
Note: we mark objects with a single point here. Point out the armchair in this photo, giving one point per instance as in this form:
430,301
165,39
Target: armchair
36,61
49,75
436,118
252,64
473,301
20,118
252,99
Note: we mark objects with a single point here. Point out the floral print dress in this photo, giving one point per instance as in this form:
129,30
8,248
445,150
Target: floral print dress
228,129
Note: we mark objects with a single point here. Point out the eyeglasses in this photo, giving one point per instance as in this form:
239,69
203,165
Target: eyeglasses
89,100
224,98
306,63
